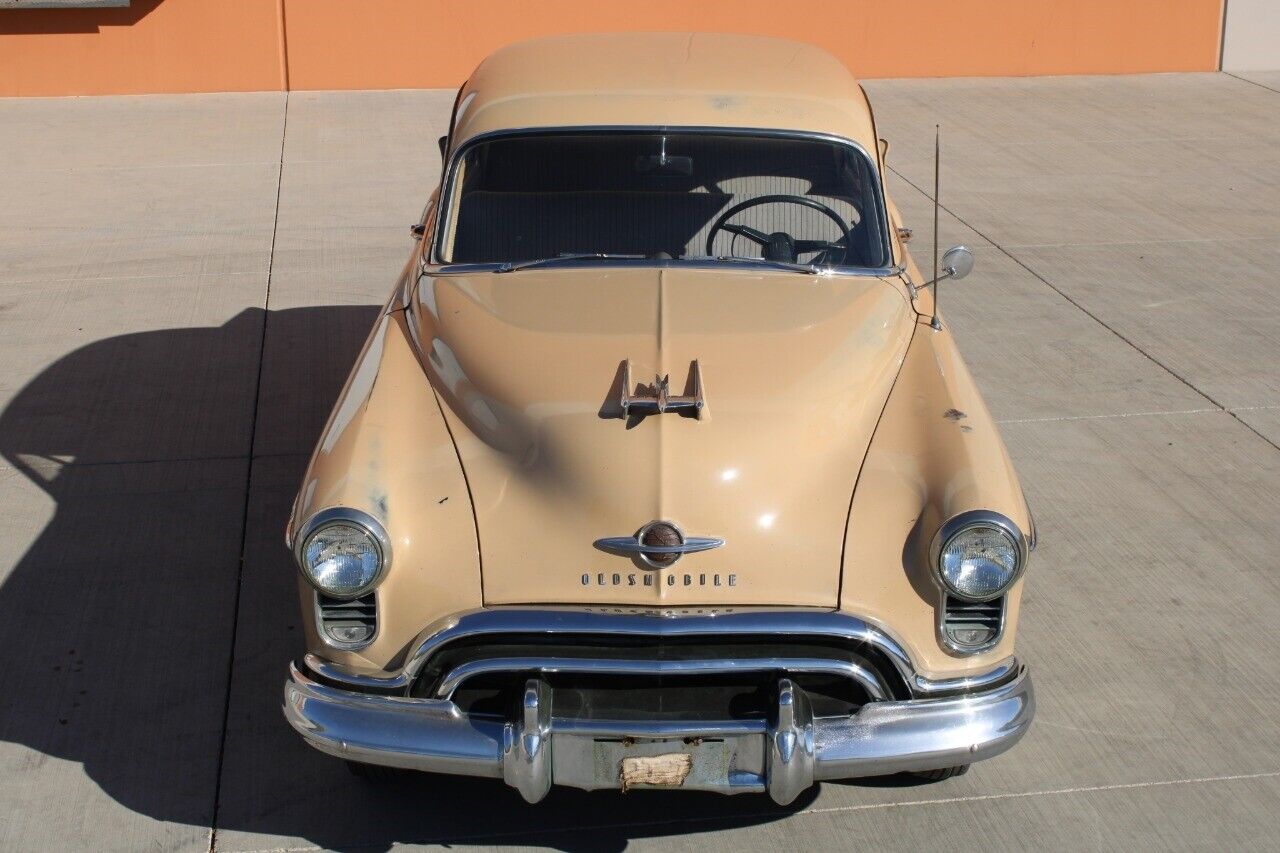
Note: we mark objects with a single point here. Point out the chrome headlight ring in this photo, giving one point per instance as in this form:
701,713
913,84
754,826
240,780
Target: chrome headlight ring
361,523
968,521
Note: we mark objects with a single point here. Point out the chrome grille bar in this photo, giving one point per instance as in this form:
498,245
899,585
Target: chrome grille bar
871,682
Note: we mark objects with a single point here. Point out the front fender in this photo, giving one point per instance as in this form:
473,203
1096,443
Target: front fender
387,451
936,453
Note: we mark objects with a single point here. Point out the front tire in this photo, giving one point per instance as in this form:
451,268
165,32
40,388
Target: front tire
940,774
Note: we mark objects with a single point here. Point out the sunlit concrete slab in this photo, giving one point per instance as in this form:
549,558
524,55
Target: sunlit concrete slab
1092,160
106,253
342,264
1265,421
1206,310
361,193
1091,192
59,204
1148,611
359,168
149,131
138,186
1158,160
116,598
1035,355
1089,210
399,126
915,204
1148,201
1267,79
1048,111
104,222
1183,815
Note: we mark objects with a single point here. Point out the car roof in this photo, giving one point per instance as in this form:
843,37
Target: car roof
664,80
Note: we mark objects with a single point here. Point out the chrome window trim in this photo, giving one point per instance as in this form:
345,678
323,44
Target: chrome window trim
973,518
433,264
329,516
658,622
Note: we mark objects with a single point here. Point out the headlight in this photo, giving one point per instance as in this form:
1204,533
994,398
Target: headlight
342,552
978,555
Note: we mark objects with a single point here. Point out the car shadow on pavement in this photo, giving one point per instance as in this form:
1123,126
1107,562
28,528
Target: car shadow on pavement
162,552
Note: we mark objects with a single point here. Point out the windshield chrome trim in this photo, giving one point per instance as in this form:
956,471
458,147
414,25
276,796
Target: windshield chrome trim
436,266
435,269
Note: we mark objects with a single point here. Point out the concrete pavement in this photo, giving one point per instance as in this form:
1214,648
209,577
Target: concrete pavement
184,282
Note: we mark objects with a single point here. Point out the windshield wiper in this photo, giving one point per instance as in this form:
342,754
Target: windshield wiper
807,269
512,266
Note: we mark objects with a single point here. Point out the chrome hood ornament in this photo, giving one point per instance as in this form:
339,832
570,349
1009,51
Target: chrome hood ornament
658,399
658,544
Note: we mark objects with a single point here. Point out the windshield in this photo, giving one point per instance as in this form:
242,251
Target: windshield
617,195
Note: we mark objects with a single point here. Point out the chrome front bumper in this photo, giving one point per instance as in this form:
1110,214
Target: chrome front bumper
782,756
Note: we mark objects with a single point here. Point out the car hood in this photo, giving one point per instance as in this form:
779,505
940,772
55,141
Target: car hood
795,371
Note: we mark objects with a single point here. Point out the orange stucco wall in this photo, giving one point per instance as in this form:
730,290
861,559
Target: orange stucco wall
150,46
240,45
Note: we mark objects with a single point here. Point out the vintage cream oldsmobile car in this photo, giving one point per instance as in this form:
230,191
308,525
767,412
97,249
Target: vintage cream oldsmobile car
658,469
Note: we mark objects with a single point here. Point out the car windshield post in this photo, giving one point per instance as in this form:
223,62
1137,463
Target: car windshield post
804,202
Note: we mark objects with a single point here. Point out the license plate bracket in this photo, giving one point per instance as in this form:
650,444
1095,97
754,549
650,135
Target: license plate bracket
727,764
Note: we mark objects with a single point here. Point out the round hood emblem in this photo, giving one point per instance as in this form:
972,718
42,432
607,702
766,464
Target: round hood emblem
659,544
659,536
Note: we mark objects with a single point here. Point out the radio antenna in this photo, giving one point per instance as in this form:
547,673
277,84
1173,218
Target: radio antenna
934,324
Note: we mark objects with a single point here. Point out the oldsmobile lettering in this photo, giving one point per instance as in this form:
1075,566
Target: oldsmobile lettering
634,579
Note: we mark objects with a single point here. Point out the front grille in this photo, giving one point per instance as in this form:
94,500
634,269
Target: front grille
674,698
348,623
973,625
704,696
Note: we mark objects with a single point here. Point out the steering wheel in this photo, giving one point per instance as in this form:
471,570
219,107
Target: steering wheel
781,246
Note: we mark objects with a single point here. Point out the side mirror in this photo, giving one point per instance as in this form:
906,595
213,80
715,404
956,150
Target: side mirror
443,142
957,262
